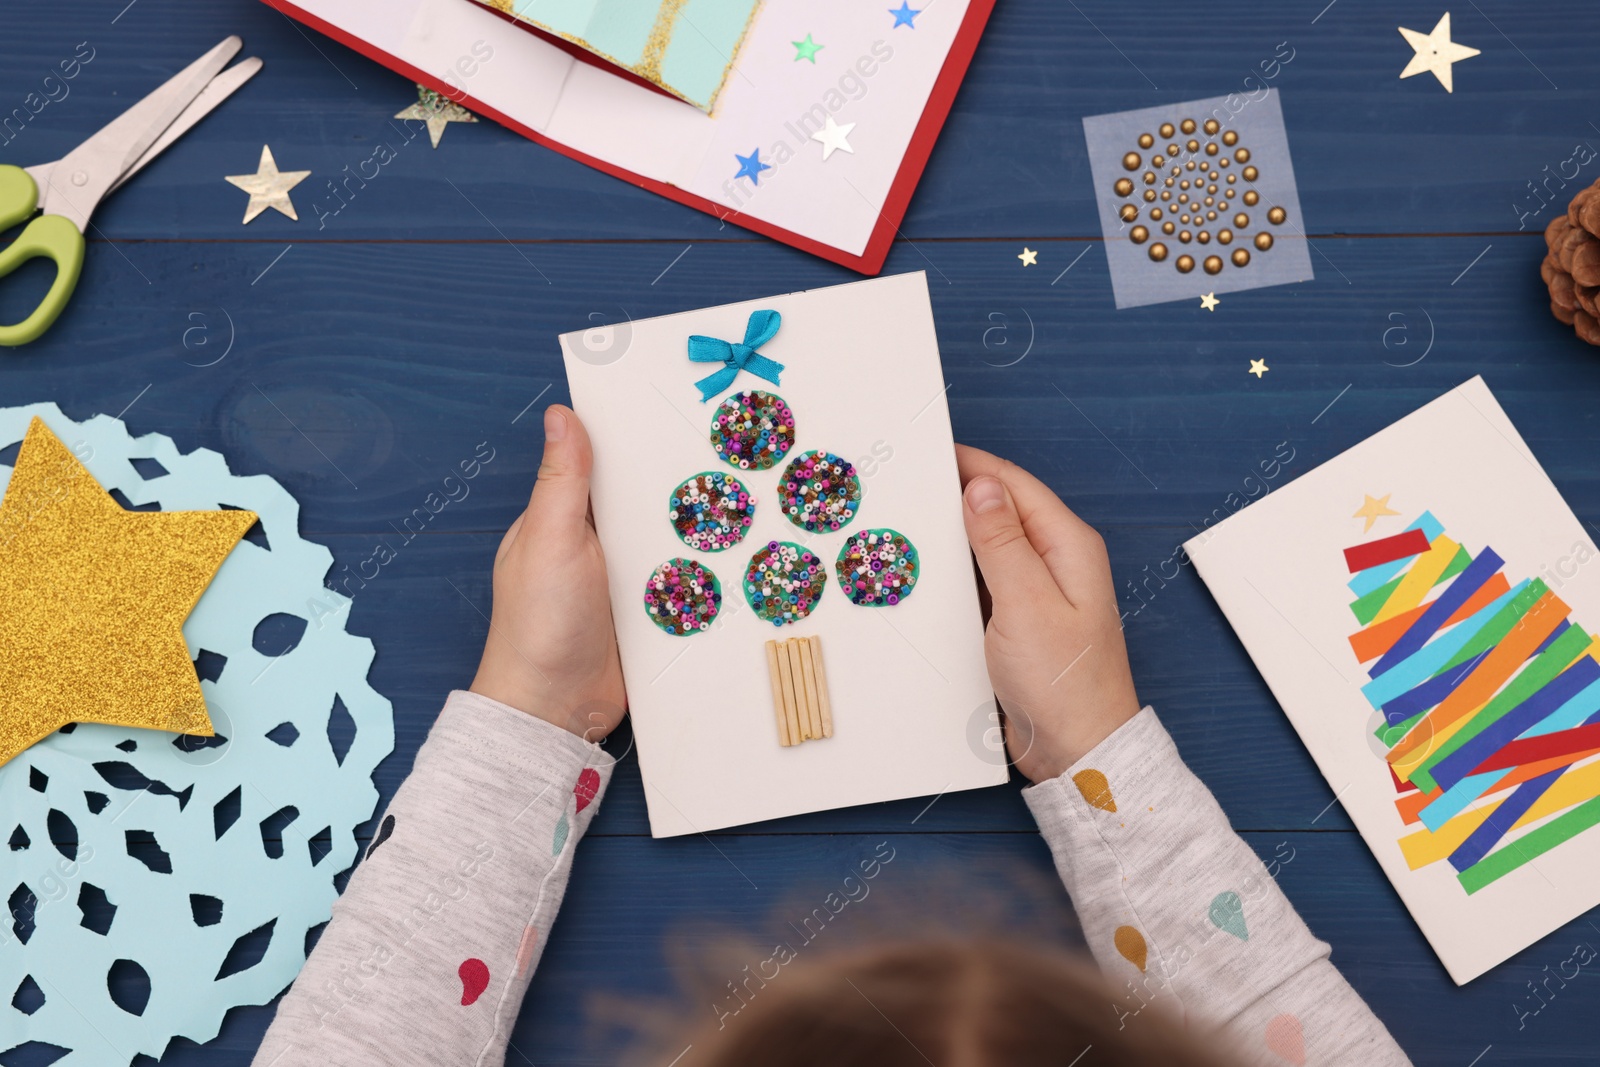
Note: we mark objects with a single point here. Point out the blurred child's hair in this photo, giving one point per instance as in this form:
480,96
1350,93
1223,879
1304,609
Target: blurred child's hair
954,965
949,1003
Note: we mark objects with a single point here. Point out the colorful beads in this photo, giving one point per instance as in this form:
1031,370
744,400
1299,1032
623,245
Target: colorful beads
711,511
682,597
877,568
820,492
783,582
752,430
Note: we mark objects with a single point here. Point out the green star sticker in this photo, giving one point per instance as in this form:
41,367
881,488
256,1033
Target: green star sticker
806,49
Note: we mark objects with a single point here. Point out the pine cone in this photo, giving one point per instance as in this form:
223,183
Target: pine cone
1571,267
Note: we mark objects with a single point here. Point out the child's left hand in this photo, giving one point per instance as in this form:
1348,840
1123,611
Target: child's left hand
551,650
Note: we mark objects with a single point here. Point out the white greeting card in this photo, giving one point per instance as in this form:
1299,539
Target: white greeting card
810,130
912,709
1423,607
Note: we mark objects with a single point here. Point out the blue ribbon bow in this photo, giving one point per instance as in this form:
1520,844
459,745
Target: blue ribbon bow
737,355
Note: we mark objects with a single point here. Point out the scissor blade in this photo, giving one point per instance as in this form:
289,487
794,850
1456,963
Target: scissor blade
84,176
222,86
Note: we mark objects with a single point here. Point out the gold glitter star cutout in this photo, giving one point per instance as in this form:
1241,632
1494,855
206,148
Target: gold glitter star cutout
93,599
268,187
1028,256
1435,52
1373,508
1258,367
1209,301
437,112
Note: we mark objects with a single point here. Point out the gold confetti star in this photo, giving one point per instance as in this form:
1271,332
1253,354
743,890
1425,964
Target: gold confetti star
93,599
1209,301
1373,508
437,112
1258,367
1029,257
1435,52
268,187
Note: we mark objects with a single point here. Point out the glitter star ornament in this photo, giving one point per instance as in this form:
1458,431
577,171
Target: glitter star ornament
269,187
437,112
1436,52
92,601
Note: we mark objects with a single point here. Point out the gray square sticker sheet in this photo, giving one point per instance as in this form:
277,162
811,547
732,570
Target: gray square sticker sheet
1197,197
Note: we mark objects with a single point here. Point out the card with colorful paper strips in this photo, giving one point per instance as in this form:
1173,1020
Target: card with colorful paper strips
1423,609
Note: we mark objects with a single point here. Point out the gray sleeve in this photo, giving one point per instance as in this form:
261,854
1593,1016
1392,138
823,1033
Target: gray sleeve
1180,913
432,944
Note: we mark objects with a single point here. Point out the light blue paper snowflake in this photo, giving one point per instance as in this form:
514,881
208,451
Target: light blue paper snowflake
185,846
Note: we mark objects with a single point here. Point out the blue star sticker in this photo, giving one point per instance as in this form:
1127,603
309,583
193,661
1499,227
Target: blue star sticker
906,16
750,166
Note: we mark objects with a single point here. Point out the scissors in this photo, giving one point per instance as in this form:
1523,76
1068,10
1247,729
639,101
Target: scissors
68,190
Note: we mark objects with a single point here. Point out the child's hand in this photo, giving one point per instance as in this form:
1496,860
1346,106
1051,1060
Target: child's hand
551,649
1054,641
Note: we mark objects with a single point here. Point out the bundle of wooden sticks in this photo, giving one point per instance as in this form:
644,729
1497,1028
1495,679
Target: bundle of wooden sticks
799,690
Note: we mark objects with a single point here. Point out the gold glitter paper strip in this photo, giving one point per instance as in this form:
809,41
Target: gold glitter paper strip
649,67
92,601
656,45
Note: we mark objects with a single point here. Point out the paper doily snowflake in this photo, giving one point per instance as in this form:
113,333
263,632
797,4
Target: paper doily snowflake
153,880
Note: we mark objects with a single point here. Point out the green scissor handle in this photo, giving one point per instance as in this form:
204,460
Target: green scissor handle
50,237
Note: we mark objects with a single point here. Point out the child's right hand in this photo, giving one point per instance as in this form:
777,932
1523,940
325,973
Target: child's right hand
1054,644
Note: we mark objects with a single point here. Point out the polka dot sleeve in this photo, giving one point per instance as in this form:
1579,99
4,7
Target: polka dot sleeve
1184,917
430,949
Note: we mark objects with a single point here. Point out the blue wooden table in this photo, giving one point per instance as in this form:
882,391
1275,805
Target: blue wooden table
357,362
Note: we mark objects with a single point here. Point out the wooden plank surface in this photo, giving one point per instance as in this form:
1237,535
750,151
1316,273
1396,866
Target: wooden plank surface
367,351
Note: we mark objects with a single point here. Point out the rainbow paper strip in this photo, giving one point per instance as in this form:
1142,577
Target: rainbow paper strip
1491,699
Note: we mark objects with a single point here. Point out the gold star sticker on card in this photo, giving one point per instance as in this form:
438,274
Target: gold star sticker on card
1258,367
1373,508
1436,52
269,187
93,599
437,112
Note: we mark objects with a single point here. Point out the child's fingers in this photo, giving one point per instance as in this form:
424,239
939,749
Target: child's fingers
559,505
1011,568
510,538
1070,547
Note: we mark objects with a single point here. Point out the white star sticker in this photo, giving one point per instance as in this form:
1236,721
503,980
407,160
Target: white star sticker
1209,301
1028,256
1435,52
833,137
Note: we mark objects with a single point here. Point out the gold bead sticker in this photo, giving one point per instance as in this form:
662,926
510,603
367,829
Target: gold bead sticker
1185,193
1203,186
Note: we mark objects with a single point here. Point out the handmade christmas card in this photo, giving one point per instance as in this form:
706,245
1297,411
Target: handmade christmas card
822,119
1424,607
775,489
